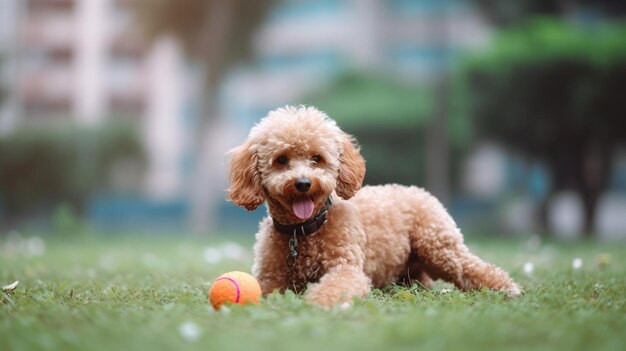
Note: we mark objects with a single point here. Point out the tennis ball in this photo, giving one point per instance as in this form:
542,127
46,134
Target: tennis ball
234,287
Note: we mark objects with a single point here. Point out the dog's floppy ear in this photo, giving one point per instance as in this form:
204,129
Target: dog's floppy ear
351,169
245,179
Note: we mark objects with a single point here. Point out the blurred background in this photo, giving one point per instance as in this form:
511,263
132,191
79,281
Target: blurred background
115,115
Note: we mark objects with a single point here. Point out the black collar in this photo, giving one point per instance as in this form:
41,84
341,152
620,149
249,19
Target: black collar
306,228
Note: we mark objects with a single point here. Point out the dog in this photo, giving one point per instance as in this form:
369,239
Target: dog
330,238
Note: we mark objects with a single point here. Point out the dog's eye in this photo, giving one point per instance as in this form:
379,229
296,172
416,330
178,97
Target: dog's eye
282,160
316,159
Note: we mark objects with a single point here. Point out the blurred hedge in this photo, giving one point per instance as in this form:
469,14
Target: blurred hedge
363,99
546,39
390,119
41,168
553,91
551,82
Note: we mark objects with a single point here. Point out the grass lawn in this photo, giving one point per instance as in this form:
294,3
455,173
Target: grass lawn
145,293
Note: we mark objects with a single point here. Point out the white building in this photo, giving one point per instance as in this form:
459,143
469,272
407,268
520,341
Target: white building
306,43
82,60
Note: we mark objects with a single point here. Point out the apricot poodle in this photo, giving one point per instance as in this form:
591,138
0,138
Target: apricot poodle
326,235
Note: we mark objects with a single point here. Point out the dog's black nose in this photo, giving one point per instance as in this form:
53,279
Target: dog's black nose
303,184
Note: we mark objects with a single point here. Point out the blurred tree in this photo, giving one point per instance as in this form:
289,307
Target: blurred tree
368,100
45,166
215,32
217,35
391,121
504,13
387,118
554,91
2,87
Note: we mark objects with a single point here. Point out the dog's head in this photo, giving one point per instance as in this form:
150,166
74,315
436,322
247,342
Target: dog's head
295,157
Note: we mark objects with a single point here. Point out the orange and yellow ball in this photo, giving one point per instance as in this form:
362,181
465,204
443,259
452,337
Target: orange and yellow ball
234,288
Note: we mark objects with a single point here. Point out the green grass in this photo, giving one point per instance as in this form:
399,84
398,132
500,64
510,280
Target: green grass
138,293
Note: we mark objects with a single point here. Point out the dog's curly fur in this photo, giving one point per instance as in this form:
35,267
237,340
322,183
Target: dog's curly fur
372,237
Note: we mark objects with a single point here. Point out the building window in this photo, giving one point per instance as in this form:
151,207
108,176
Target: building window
294,10
426,7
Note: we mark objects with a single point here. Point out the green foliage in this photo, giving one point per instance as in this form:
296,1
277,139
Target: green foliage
42,167
131,294
513,12
369,100
390,119
392,154
553,90
544,40
550,83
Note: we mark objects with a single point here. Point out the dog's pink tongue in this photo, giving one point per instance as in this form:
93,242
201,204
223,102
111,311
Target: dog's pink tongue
302,207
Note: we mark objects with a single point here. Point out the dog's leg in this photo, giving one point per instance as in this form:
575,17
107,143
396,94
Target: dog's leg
269,271
416,273
440,247
425,280
270,274
269,284
339,285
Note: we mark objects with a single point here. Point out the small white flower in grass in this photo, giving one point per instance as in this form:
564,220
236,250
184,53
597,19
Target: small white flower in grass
13,243
11,286
35,246
212,255
91,273
107,262
189,331
528,267
150,260
233,251
577,263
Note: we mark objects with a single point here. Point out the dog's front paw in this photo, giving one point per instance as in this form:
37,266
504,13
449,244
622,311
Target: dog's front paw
339,286
327,296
